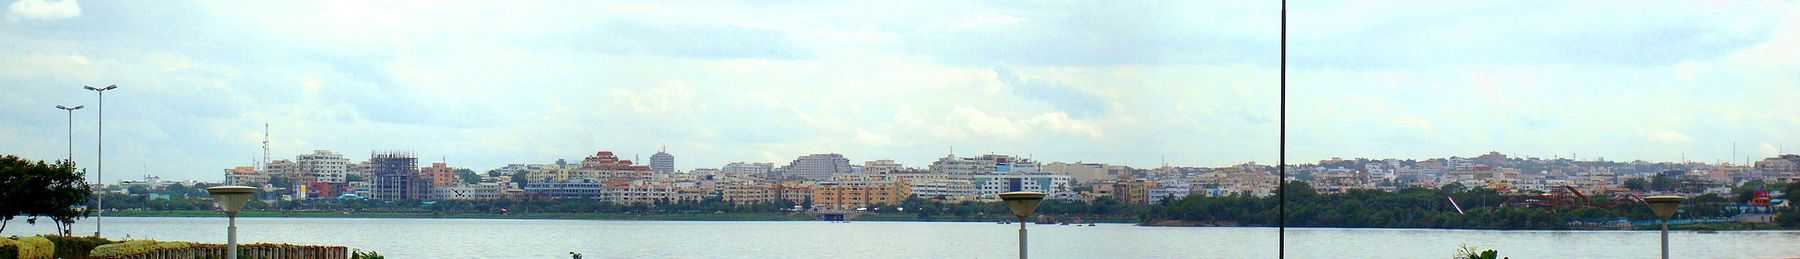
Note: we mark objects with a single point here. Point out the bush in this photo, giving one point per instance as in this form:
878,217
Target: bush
369,255
135,247
27,248
8,249
75,247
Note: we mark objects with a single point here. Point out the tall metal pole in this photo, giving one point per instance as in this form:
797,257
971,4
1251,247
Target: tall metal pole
1022,238
99,157
231,247
100,162
71,111
1665,238
1281,160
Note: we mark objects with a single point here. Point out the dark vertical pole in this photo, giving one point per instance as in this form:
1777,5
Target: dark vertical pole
1281,162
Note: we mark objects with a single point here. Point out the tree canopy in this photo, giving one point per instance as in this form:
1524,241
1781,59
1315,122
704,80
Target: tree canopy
41,189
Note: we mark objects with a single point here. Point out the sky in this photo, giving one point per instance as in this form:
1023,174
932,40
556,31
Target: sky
1193,83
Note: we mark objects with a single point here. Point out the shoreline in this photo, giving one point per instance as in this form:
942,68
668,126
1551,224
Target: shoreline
786,216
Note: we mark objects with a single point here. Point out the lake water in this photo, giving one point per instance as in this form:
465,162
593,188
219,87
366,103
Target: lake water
505,238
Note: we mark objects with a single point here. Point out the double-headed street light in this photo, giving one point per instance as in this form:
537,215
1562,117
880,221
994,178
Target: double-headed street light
1664,206
1022,205
99,161
71,111
230,199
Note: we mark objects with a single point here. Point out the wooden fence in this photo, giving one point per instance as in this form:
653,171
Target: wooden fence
249,251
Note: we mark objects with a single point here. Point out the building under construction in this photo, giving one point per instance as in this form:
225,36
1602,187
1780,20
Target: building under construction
396,177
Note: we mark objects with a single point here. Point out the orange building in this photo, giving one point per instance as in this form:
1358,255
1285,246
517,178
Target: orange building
857,194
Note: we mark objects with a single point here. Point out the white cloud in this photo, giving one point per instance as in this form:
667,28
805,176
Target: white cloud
1060,122
1668,137
43,9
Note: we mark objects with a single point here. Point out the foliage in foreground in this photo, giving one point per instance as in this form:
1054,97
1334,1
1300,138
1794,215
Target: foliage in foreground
75,246
368,255
27,248
135,247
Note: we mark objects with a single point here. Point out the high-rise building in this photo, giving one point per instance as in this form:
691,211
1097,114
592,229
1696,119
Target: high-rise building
817,166
440,175
662,162
284,169
396,177
323,166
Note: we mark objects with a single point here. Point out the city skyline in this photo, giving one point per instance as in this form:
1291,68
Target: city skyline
739,82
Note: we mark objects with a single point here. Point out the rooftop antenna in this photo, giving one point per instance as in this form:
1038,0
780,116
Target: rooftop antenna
265,146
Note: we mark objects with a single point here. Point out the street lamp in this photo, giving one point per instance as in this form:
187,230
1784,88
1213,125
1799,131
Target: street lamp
230,199
71,111
1664,206
1022,205
100,162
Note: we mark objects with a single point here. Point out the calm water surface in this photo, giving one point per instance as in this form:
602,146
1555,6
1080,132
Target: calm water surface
505,238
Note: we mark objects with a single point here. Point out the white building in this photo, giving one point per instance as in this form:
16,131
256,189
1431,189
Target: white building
466,192
1168,192
323,166
985,164
990,186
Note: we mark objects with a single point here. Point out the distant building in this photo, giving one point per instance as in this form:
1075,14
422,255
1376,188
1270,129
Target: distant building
662,162
323,166
882,167
1082,172
817,166
245,175
858,194
284,169
989,187
440,175
742,168
580,189
478,191
747,194
396,177
985,164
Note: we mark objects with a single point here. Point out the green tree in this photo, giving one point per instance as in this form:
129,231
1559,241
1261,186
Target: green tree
468,176
1637,184
39,189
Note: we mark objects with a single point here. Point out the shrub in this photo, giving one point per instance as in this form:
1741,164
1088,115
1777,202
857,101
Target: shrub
75,247
369,255
134,247
8,249
27,248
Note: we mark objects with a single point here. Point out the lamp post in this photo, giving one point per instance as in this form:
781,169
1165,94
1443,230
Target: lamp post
1022,205
230,199
1664,206
71,111
100,163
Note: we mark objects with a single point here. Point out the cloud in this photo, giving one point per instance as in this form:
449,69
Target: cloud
1064,98
1060,122
1669,137
43,10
